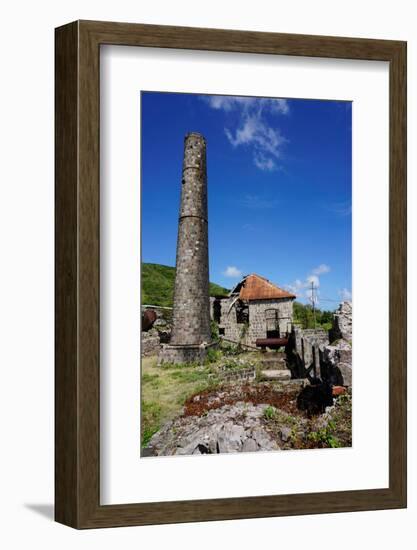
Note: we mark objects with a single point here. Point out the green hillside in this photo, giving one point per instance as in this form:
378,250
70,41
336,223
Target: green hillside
158,285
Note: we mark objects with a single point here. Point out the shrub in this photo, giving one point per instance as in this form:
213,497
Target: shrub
213,355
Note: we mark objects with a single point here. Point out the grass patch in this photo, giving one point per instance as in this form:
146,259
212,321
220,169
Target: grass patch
151,418
165,388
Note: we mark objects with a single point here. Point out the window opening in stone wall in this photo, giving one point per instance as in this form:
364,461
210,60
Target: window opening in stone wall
272,323
242,312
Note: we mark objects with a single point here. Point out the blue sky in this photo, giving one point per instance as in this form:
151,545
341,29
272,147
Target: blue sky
279,187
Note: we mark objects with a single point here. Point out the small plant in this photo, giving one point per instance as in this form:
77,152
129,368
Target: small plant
231,349
325,436
213,355
214,329
270,412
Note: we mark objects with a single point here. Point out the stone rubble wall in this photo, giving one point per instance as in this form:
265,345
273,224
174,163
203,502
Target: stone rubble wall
150,343
337,361
239,375
342,323
337,356
329,353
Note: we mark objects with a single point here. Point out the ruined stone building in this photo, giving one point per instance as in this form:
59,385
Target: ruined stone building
255,308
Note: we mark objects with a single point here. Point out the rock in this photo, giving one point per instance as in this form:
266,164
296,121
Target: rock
285,433
337,363
263,439
346,372
342,322
229,438
249,446
231,428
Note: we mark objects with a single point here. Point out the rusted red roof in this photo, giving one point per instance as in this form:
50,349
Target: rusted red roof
255,287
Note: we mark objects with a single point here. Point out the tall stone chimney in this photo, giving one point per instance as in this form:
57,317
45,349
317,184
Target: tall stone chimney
190,334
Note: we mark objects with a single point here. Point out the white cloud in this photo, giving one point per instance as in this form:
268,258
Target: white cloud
313,280
252,129
296,287
257,202
232,271
228,103
340,208
345,294
263,162
303,288
321,269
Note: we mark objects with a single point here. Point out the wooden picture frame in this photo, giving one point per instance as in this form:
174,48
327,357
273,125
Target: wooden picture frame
77,382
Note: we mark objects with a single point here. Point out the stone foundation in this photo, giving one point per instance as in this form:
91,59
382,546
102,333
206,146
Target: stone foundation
175,354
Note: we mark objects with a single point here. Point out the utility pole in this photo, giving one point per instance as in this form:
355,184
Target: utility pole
313,302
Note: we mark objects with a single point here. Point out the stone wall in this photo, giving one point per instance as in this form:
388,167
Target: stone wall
238,375
308,346
150,343
257,317
228,322
257,326
337,357
317,357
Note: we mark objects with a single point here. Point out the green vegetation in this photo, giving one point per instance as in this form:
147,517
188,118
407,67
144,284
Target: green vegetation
303,316
325,437
165,389
213,355
270,412
214,329
318,432
158,285
151,415
230,364
231,349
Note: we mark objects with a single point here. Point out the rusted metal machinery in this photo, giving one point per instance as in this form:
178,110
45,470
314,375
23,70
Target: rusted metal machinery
149,317
272,343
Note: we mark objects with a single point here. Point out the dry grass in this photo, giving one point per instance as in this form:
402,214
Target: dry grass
165,389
